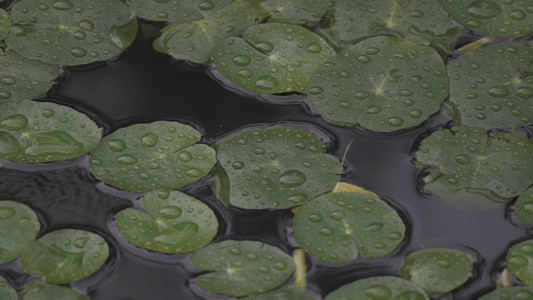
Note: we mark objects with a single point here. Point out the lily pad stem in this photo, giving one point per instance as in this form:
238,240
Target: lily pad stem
300,275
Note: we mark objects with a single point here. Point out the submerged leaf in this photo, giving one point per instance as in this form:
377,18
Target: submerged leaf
519,260
7,292
241,268
337,227
293,11
176,11
148,157
382,288
383,84
510,293
175,223
18,227
39,290
5,24
277,167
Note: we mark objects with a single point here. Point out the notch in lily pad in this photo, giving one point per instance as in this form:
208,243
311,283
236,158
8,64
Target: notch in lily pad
174,223
276,167
379,287
519,260
241,268
153,156
19,226
39,290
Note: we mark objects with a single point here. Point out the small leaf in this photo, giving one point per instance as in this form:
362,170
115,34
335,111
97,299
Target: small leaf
241,268
39,290
65,255
176,11
344,187
277,167
294,11
337,227
5,24
510,293
438,270
520,259
7,292
523,207
175,223
32,131
285,292
148,157
19,226
382,288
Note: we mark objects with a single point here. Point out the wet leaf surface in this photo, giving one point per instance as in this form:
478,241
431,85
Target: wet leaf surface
39,290
175,223
286,292
293,11
65,255
520,259
5,24
338,227
32,131
19,226
241,268
381,83
272,58
69,32
7,292
176,11
510,293
382,287
523,207
276,167
148,157
437,270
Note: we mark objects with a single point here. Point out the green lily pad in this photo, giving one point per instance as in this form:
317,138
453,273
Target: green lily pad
65,255
382,287
422,22
383,84
492,86
337,227
470,168
438,270
19,226
5,24
148,157
499,18
23,79
39,290
276,167
7,292
293,11
194,41
176,11
519,260
510,293
241,268
286,292
175,223
32,131
272,58
523,207
69,32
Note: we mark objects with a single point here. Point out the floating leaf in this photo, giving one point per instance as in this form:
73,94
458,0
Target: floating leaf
175,223
382,83
148,157
5,24
277,167
294,11
69,32
497,18
437,270
470,168
7,292
382,287
39,290
492,86
520,259
337,227
286,292
422,22
523,207
65,255
176,11
23,79
343,187
19,226
32,131
272,58
194,41
510,293
241,268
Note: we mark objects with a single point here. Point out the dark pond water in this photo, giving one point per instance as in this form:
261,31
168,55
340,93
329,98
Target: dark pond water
143,85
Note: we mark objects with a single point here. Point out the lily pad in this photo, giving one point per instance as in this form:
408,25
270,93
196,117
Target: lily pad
286,292
294,11
338,227
176,11
492,86
32,131
65,255
471,168
523,207
19,226
69,32
7,292
383,84
520,259
148,157
194,41
175,223
5,24
438,270
241,268
23,79
272,58
422,22
499,18
39,290
510,293
381,287
276,167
